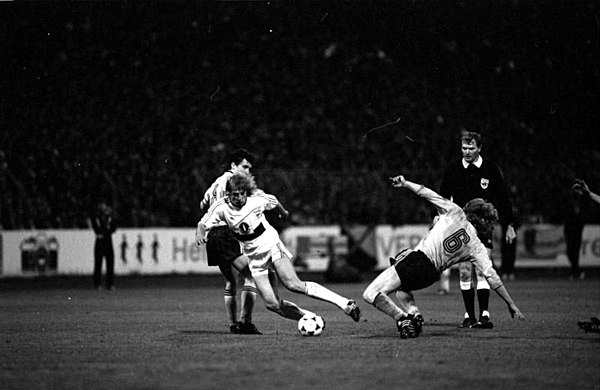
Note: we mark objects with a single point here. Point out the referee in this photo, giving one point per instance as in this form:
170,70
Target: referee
469,178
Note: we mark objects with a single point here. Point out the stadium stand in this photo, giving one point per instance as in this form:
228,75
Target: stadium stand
138,103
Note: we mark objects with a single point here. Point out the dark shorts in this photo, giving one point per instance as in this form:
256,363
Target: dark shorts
222,247
416,272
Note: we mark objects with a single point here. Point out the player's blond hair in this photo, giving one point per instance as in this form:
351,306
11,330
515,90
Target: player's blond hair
482,215
241,182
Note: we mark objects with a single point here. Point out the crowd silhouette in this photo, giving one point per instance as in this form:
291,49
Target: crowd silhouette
138,103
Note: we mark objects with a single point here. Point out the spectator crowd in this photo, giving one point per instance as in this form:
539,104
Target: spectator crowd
138,104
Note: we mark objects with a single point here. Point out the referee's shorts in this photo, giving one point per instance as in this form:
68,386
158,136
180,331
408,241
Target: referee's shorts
222,247
416,271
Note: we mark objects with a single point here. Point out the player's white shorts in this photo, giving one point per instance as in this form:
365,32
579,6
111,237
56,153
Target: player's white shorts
262,261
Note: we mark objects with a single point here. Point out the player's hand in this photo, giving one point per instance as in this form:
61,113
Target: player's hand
580,187
510,234
200,240
515,312
284,214
398,181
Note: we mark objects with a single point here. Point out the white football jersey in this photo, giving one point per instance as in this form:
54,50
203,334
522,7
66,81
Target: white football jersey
453,239
248,223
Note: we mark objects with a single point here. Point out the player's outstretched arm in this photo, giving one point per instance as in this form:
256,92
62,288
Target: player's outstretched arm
442,204
581,188
512,308
400,182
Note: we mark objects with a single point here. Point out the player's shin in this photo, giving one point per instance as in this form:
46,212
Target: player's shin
407,301
315,290
468,295
483,296
384,304
288,310
229,297
248,298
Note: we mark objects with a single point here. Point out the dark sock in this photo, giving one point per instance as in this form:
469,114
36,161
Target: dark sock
483,297
469,300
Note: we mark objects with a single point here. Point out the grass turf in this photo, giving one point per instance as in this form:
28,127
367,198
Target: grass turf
172,333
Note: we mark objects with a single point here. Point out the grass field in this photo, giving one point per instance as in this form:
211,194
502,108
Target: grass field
171,333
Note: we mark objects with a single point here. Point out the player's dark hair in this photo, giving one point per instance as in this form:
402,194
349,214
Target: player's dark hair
241,182
482,215
238,155
470,136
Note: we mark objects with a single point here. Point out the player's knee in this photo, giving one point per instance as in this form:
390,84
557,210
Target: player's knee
296,286
230,291
249,283
465,277
370,294
250,290
465,285
483,285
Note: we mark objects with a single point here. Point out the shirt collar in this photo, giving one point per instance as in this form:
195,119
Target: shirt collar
477,162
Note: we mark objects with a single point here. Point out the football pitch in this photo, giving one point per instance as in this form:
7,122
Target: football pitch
171,333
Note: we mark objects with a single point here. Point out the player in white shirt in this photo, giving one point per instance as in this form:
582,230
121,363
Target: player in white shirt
453,239
243,212
223,250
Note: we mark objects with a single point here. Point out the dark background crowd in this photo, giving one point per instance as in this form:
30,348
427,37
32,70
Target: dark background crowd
138,103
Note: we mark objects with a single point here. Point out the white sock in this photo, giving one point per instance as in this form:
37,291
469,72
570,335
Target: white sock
315,290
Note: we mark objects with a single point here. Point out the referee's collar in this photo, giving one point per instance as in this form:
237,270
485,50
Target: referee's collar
477,162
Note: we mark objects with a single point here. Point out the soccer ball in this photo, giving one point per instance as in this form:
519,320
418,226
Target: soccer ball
311,325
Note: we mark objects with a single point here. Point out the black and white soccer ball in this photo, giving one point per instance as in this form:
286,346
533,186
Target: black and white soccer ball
311,325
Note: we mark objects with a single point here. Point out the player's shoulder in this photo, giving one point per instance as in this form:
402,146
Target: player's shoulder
456,211
224,177
261,196
220,203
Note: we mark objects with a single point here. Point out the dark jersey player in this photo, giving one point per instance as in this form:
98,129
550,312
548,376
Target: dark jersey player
224,251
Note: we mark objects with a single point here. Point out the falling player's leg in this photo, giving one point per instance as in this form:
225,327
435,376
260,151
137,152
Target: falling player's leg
407,300
377,294
378,290
444,286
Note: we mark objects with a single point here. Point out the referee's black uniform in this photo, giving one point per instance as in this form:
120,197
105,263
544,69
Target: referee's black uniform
464,184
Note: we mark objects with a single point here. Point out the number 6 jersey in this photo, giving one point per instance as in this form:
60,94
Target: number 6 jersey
454,240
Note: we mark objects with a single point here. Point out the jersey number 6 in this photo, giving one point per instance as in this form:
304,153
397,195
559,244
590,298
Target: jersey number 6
456,240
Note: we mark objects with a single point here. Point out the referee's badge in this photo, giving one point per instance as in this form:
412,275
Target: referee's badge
484,183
